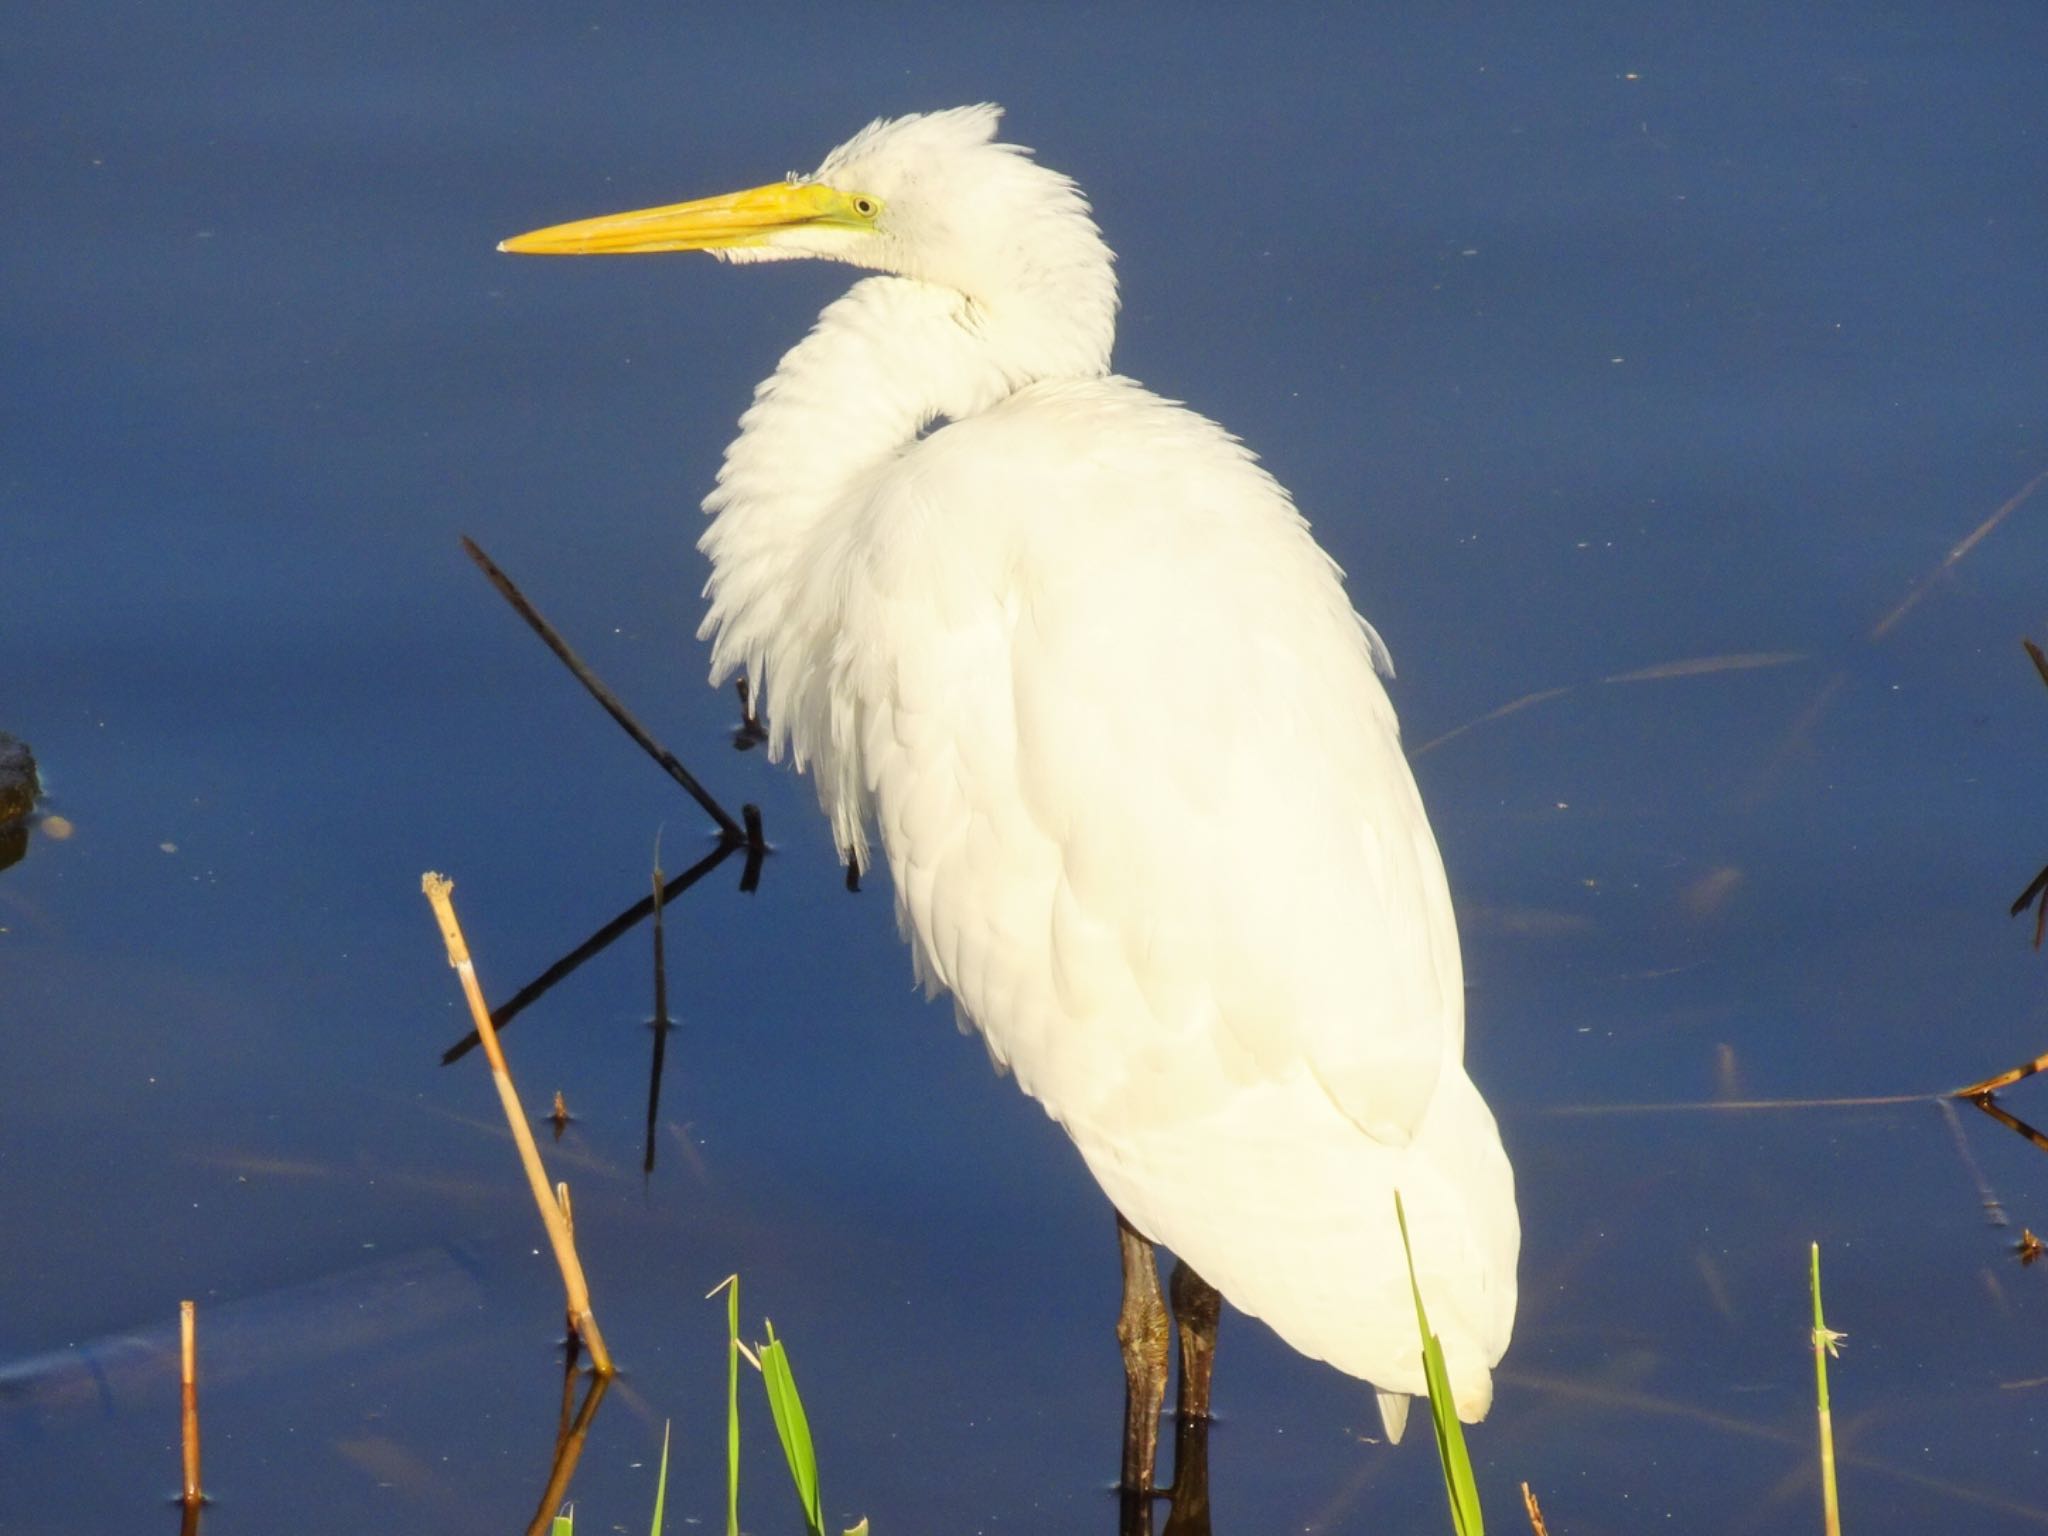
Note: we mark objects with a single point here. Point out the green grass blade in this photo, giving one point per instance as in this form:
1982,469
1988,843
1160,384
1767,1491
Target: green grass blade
1460,1488
661,1485
565,1522
732,1411
1824,1341
793,1428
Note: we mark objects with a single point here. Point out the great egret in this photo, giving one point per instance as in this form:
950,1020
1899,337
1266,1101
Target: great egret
1138,784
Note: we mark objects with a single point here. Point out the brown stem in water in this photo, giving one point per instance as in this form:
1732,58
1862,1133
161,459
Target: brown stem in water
568,1449
2005,1079
188,1379
440,893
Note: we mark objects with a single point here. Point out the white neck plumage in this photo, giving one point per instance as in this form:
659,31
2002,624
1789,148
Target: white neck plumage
883,363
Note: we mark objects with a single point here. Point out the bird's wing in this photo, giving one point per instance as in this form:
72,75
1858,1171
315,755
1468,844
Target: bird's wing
1139,783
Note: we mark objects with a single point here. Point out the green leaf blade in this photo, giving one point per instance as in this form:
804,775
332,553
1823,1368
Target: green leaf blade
1461,1488
661,1483
732,1406
793,1428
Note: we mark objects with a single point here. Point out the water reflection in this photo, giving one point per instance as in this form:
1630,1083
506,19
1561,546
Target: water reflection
572,1431
275,368
278,1334
600,939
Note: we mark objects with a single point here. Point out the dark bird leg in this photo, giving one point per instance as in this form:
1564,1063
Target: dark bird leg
1142,1331
1197,1308
1188,1514
1196,1311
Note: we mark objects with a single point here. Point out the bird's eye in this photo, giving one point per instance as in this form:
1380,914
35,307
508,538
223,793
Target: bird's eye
866,207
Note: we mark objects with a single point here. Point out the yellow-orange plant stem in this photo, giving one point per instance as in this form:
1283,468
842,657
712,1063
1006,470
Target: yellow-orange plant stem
440,894
188,1381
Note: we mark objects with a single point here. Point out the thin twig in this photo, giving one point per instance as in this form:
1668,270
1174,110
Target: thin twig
734,833
751,733
757,850
188,1382
1535,1511
2040,658
2004,1079
2037,887
596,944
440,893
2011,1122
659,1024
2036,892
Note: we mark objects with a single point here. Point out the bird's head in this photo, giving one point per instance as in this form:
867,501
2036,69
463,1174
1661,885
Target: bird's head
930,196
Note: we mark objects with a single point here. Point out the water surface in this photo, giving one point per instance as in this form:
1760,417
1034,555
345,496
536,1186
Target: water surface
1590,347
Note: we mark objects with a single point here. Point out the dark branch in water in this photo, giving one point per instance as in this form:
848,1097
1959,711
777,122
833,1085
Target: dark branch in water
2011,1122
751,733
757,849
597,943
2040,659
730,828
2037,892
659,1023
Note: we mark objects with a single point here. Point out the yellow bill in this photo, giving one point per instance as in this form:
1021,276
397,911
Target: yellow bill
736,219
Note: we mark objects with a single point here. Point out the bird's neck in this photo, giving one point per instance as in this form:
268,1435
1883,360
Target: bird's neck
882,364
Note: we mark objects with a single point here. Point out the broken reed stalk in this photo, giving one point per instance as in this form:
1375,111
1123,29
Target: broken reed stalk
188,1383
1991,1085
439,891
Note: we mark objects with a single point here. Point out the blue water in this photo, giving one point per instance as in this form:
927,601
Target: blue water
1590,343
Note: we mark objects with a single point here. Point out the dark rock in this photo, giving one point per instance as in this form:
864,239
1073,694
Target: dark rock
18,783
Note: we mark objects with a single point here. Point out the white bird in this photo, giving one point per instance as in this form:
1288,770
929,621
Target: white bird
1137,781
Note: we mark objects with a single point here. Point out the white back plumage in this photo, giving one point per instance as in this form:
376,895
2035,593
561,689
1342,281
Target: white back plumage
1137,782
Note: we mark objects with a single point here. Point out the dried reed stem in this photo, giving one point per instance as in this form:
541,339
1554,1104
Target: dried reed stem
188,1381
440,893
1535,1510
1991,1085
